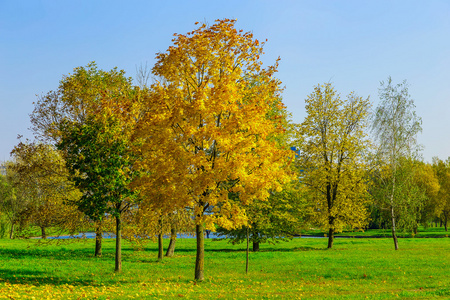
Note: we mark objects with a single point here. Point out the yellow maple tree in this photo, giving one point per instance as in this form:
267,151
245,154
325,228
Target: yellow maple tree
208,125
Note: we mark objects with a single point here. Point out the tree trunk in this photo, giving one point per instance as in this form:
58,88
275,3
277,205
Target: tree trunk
445,222
173,239
255,246
199,261
415,229
118,268
394,234
331,227
43,234
330,238
246,260
98,239
160,246
11,232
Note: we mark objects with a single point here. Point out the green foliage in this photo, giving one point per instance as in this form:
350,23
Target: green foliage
395,126
91,119
99,164
39,190
408,196
275,219
442,202
3,226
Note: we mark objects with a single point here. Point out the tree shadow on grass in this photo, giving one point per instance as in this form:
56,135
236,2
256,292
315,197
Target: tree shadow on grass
59,254
37,278
297,249
265,249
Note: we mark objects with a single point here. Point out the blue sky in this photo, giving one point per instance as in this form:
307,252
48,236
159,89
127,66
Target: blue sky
353,44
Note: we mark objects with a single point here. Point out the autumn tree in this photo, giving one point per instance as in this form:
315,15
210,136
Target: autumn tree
332,164
12,205
207,127
442,202
42,180
395,127
428,186
91,119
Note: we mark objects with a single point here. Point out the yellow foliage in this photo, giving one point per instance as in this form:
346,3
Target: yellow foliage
333,145
207,126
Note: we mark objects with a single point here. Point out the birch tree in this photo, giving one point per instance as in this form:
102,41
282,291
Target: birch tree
395,127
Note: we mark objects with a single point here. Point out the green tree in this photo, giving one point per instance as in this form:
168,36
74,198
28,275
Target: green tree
333,151
395,127
410,193
91,119
442,202
276,219
427,183
11,204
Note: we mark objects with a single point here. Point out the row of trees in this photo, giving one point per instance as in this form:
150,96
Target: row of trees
208,146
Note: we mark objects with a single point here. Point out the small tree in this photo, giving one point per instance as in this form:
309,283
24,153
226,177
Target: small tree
276,219
395,126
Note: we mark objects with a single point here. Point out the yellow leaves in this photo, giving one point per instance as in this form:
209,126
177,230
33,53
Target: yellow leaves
207,123
46,291
333,145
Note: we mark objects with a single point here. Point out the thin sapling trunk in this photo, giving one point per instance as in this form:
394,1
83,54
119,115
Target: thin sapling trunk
118,268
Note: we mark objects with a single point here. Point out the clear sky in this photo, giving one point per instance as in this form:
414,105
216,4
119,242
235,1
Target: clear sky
353,44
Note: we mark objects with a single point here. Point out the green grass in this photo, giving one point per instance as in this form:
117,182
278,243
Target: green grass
300,269
430,232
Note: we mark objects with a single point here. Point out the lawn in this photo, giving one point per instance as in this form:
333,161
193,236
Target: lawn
430,232
356,268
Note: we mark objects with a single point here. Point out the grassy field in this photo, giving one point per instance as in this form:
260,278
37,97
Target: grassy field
430,232
356,268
